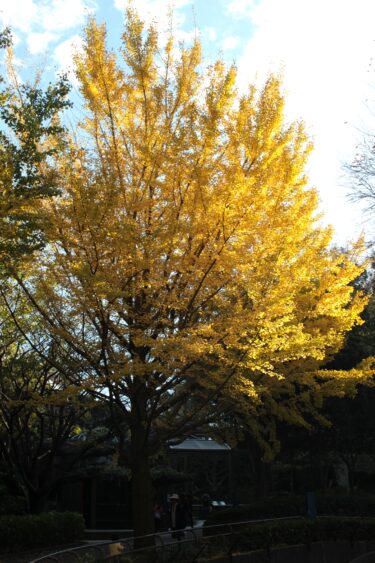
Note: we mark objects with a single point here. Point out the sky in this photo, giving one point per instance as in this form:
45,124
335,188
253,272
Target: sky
324,48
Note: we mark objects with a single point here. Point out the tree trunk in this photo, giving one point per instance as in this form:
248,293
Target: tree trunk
143,520
263,479
36,501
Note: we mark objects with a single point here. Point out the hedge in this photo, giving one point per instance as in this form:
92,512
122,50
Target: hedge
292,532
305,531
295,505
46,529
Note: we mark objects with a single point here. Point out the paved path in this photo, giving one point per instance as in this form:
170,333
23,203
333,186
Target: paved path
190,533
27,556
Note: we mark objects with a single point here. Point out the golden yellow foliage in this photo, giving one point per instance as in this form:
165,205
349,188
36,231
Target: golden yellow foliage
191,188
186,232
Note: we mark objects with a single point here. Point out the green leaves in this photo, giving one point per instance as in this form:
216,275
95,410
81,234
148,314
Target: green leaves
5,38
30,134
31,120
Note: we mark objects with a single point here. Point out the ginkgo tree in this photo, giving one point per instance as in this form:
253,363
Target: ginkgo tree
187,273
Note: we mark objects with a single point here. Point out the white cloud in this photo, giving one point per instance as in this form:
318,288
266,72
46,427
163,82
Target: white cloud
39,42
230,42
64,55
159,11
64,14
20,14
156,10
43,20
16,39
324,49
241,8
210,32
40,23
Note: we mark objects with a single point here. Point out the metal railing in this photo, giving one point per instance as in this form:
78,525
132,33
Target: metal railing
159,548
365,558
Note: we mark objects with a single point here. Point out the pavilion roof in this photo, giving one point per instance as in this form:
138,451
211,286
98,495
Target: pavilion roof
200,444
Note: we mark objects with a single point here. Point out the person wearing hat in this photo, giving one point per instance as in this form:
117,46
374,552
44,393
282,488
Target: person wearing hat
177,517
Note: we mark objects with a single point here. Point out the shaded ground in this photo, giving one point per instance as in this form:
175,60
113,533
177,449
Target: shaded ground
31,554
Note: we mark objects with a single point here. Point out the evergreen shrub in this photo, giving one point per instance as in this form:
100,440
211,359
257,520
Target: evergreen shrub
296,505
274,534
39,530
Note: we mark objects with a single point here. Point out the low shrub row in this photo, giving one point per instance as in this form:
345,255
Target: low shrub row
295,505
306,531
52,528
293,532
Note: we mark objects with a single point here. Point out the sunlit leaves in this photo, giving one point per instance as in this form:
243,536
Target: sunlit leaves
186,259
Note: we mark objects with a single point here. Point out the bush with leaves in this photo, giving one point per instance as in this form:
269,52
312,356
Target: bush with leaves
29,531
295,505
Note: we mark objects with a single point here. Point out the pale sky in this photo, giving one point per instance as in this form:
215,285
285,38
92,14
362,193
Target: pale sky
325,48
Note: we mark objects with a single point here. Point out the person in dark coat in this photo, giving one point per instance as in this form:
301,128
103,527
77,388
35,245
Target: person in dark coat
177,517
158,515
186,502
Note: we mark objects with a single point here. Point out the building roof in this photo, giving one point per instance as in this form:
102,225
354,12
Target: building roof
200,444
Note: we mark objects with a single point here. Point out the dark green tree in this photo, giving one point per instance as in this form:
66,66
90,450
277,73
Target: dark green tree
30,134
47,424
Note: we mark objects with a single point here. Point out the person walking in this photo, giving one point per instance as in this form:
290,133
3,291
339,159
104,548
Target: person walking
158,514
186,502
177,517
